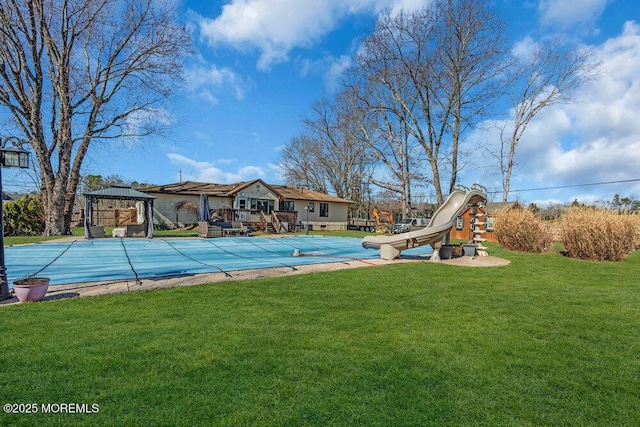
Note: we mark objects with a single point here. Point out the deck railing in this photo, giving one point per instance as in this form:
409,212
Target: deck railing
257,218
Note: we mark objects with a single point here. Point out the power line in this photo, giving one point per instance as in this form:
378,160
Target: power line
568,186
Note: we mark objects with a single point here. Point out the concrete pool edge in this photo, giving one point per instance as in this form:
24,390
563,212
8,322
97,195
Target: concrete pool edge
89,289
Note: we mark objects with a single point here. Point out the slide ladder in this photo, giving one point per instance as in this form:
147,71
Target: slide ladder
479,226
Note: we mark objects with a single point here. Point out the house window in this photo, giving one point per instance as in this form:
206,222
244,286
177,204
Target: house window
287,205
312,206
264,205
489,223
242,204
324,209
459,223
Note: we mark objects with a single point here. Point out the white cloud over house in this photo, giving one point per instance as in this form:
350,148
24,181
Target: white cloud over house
275,27
207,81
205,171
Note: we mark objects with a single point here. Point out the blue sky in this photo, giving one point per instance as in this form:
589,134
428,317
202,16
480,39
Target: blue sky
260,64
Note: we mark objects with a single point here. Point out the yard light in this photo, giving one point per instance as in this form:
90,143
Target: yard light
10,157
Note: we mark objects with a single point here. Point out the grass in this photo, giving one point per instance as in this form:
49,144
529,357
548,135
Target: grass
547,340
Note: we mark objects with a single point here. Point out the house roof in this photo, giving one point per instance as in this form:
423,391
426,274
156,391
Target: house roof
295,193
497,208
231,190
118,192
192,188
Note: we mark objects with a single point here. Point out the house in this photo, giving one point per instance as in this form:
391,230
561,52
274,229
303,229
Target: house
254,203
461,229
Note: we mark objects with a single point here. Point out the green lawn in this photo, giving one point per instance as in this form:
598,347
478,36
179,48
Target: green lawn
546,340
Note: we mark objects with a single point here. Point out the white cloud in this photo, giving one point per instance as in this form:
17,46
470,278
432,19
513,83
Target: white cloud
605,123
208,80
565,14
275,27
208,171
330,68
594,140
141,122
278,170
337,67
524,48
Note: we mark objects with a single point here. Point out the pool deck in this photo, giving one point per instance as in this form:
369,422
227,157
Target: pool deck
88,289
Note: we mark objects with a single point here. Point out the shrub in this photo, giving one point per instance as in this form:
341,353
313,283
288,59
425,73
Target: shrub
520,230
24,217
599,235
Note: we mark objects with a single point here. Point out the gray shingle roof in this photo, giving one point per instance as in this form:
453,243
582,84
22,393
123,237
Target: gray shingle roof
118,192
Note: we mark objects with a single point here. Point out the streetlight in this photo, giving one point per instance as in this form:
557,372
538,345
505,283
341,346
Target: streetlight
10,157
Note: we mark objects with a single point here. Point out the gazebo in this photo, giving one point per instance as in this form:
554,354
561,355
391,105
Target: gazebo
119,193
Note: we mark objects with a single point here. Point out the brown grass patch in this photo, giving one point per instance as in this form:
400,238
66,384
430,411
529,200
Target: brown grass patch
520,230
599,235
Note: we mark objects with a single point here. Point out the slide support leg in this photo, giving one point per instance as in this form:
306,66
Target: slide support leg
388,252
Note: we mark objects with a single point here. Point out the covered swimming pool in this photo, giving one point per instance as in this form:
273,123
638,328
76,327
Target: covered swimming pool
82,261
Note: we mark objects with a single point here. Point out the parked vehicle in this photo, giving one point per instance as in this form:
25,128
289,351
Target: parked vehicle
384,220
408,224
361,224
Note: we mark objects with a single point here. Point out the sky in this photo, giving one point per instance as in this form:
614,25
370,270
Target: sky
259,65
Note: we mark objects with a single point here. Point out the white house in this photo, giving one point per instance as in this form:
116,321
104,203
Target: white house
253,202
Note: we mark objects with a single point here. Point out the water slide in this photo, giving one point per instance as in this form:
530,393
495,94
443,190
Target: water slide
443,219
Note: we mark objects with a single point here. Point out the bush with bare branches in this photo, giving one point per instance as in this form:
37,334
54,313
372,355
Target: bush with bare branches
600,235
521,230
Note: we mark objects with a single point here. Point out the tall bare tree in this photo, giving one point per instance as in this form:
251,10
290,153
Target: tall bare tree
301,166
388,139
437,68
330,154
77,71
547,75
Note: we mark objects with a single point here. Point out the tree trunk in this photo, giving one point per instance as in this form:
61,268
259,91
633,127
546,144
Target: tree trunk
55,214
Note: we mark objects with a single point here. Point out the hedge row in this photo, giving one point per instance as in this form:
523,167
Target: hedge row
586,233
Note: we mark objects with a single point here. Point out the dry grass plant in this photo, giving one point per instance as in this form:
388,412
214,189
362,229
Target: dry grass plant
520,230
601,235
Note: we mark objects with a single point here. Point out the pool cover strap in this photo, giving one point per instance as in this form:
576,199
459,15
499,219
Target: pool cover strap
52,261
249,258
135,273
195,260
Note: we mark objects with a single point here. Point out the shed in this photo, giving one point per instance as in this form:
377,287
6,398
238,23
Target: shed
461,229
119,192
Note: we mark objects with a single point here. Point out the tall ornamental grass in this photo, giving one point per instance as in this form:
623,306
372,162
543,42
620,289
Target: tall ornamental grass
600,235
520,230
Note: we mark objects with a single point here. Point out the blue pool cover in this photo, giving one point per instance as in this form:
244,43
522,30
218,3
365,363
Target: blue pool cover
123,259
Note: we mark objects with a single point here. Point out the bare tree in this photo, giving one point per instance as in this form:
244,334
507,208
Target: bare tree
385,131
435,70
330,154
74,72
300,164
547,75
